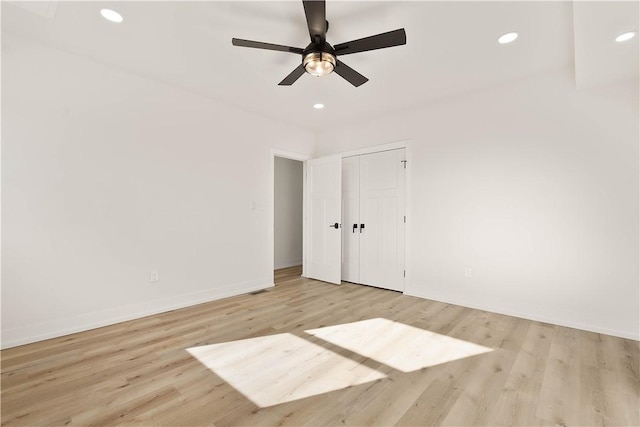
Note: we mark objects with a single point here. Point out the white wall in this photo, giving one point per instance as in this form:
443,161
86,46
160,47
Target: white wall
107,176
287,212
533,185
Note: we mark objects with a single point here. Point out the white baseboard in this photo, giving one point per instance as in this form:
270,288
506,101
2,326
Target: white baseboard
286,264
59,327
56,328
530,316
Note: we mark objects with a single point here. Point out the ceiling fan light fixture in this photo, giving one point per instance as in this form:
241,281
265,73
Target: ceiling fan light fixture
319,63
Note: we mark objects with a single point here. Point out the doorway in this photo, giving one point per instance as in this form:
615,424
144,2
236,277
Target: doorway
287,210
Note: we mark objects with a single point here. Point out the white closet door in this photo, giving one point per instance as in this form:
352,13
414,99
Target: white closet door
324,210
382,213
351,217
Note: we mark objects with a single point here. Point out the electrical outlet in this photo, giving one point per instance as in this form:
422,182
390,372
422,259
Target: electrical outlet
154,276
468,272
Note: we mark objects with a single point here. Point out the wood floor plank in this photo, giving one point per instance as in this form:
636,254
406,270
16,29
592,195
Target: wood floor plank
144,372
560,401
517,403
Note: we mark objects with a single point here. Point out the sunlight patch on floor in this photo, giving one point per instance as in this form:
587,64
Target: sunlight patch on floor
402,347
281,368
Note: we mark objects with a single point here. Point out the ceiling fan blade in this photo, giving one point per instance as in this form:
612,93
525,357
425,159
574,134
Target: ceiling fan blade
379,41
267,46
349,74
293,76
315,11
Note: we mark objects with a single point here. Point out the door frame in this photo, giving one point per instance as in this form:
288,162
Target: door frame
379,148
273,153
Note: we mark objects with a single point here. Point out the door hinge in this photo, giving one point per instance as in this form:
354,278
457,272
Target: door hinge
404,163
404,273
405,219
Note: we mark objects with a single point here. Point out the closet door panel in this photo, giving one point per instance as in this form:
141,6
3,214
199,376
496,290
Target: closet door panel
382,213
350,216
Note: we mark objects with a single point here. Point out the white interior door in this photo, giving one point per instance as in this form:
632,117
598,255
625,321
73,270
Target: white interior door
324,177
382,189
351,219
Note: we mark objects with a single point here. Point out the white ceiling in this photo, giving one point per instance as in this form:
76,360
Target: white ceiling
451,48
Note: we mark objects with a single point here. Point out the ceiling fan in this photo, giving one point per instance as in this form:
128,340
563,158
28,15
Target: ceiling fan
319,58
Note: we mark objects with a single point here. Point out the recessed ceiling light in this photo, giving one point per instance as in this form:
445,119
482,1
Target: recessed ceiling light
625,36
318,106
111,15
507,38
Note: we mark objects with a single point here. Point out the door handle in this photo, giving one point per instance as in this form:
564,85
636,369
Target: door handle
335,225
361,227
355,227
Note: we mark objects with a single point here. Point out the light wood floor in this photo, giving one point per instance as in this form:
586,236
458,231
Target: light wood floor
140,372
